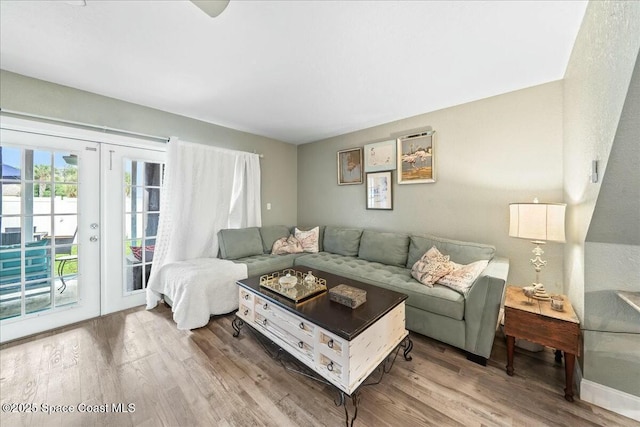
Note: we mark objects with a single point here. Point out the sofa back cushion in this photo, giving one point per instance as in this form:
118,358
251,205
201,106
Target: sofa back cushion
459,252
240,243
342,241
270,234
385,248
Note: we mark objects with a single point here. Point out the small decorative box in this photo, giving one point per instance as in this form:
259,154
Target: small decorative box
348,295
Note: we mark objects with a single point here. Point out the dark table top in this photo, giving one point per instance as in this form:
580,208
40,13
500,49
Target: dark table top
330,315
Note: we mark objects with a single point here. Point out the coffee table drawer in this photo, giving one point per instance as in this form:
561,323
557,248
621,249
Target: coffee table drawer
290,322
331,368
245,295
331,345
296,346
245,312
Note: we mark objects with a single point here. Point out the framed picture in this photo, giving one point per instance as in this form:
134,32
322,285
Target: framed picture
380,156
417,158
379,192
350,166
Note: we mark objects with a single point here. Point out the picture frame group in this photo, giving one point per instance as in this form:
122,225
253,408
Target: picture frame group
412,156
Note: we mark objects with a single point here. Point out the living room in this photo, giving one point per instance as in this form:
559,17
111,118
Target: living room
536,141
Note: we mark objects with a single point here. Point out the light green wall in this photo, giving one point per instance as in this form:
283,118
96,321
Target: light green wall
279,186
490,153
602,253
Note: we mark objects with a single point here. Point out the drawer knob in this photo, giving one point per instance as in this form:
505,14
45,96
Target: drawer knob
330,366
246,296
301,325
300,344
265,305
246,311
264,322
330,343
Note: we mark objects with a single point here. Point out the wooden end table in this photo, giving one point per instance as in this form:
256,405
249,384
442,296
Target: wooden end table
538,323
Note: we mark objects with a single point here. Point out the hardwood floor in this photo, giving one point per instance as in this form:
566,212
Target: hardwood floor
207,377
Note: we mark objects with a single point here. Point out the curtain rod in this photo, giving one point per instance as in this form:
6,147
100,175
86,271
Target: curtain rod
104,129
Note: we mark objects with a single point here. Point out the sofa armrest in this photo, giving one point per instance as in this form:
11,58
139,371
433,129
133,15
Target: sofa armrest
482,307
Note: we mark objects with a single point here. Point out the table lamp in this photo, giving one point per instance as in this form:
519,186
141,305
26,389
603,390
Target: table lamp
540,223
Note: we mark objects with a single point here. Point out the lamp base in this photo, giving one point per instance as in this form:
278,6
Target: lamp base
537,261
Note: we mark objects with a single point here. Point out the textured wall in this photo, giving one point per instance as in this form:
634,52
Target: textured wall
24,94
491,152
596,84
602,253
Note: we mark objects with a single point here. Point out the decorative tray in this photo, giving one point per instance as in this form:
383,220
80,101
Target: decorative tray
292,285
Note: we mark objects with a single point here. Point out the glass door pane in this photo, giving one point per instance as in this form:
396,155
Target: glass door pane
142,183
46,183
35,205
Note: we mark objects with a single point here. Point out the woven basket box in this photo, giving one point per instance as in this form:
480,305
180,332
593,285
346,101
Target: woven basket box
348,295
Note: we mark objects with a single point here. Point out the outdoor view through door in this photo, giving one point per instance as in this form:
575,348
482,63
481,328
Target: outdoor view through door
142,184
39,226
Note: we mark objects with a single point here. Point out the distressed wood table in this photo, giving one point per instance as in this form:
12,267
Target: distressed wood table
538,323
344,346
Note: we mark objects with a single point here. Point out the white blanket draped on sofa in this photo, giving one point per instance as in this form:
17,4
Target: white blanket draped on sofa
199,288
205,190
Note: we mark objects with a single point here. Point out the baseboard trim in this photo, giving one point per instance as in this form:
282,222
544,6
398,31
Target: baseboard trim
609,398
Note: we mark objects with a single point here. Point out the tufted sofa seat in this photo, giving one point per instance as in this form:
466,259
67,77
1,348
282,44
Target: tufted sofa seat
466,320
438,299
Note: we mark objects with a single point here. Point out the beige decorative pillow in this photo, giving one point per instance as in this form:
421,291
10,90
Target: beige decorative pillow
286,245
462,276
432,266
308,239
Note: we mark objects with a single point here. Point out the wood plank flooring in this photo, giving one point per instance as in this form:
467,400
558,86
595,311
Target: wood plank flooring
207,377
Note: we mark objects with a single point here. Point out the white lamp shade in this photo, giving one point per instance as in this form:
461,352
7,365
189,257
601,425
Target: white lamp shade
537,221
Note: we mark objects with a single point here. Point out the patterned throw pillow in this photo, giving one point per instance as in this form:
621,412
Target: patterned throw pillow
308,239
432,266
462,276
286,245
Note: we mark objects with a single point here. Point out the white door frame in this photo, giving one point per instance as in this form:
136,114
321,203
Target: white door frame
83,136
114,298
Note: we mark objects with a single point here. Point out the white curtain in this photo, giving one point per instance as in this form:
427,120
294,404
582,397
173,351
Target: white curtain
205,190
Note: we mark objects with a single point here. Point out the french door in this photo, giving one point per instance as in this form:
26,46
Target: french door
50,232
78,220
132,180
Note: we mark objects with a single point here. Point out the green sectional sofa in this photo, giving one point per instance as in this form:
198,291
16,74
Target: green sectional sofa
467,321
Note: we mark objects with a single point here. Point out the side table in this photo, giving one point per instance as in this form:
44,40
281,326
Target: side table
538,323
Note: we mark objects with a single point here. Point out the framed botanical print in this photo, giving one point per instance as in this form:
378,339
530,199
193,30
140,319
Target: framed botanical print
379,190
380,156
350,166
417,158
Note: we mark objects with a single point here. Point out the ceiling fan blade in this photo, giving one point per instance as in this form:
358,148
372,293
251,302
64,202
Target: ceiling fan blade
212,8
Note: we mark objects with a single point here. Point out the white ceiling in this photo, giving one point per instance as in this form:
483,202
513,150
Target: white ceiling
296,71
